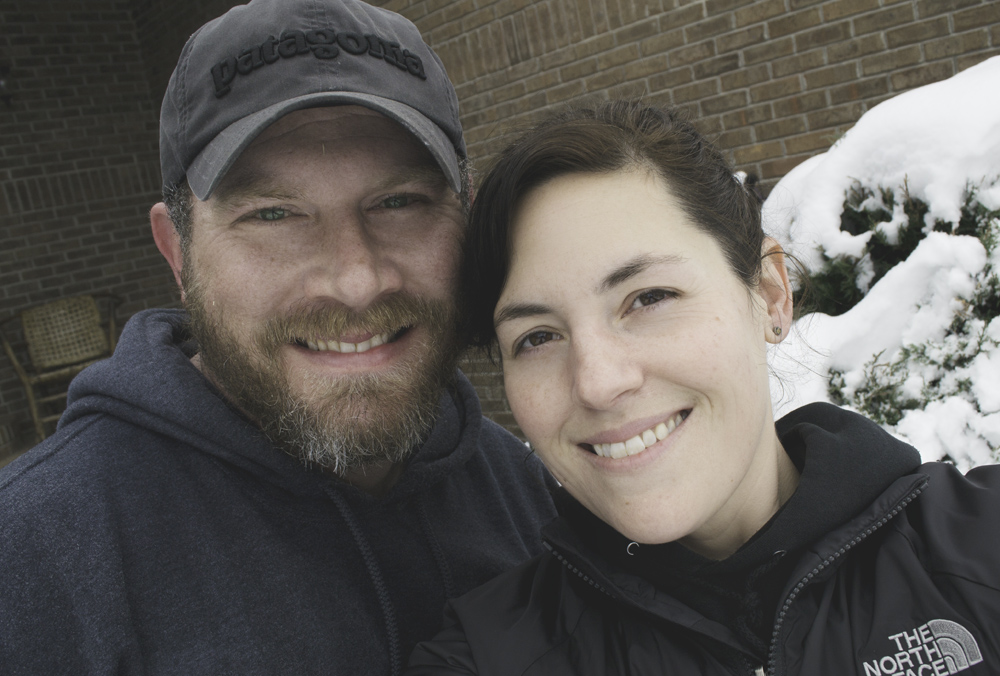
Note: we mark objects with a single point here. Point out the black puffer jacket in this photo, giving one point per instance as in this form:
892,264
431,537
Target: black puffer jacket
909,584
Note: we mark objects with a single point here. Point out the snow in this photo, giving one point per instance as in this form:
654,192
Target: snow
934,142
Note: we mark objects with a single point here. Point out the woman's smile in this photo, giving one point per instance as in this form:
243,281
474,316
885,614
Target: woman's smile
635,444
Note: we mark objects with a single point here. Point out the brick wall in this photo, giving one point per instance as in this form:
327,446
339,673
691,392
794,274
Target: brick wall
78,164
772,81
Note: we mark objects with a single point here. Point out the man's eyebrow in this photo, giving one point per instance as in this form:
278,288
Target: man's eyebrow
635,266
518,311
239,187
424,173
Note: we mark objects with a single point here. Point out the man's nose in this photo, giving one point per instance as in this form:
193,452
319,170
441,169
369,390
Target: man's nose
350,266
603,370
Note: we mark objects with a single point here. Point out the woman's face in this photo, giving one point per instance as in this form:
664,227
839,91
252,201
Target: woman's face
634,361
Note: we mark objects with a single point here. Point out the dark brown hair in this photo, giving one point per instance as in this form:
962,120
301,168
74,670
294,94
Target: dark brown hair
613,136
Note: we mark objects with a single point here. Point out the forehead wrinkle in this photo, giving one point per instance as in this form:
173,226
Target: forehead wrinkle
635,266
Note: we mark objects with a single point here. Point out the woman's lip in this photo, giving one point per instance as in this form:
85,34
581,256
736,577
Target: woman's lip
627,431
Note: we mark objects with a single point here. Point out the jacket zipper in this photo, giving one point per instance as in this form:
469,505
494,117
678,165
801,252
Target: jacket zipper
772,651
754,671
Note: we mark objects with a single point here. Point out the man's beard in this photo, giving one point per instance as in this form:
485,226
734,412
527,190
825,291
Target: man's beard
351,422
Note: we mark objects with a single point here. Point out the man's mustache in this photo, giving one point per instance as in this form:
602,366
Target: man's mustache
392,314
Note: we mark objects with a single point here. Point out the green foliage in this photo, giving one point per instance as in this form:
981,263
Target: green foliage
888,386
842,281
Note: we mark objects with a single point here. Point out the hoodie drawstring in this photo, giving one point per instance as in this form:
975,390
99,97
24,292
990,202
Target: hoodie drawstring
388,614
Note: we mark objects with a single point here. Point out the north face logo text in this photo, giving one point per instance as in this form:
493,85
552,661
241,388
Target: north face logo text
938,648
324,43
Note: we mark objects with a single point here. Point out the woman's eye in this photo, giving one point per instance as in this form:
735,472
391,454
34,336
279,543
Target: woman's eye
272,214
650,297
535,339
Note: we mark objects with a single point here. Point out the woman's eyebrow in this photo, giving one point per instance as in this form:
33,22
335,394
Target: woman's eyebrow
519,310
635,266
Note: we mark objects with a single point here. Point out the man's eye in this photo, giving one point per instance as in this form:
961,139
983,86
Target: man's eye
272,214
396,202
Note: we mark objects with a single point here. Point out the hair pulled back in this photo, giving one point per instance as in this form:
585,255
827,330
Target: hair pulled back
617,135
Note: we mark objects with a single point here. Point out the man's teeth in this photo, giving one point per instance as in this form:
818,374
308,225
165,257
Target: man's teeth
338,346
639,442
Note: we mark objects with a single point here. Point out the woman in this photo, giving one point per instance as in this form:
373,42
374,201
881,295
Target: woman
622,273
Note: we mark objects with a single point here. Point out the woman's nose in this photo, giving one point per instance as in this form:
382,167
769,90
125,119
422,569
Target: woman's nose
603,371
351,267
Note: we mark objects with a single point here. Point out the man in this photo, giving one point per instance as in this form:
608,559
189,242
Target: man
296,479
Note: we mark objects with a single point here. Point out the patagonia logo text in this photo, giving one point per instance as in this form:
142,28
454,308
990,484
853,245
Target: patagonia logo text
323,43
938,648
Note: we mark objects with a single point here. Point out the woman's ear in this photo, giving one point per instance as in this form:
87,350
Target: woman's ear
776,291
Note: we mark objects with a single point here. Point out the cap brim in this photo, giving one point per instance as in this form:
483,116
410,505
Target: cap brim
218,156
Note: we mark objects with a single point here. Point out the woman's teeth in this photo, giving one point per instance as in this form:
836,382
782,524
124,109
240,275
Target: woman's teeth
337,346
640,442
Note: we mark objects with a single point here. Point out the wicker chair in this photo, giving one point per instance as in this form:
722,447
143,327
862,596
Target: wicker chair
61,338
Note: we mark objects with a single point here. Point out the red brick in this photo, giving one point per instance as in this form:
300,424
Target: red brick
768,51
753,35
734,138
956,44
747,116
819,140
721,104
841,8
829,117
671,78
826,77
662,42
889,61
688,55
881,20
716,66
759,11
778,168
852,49
928,8
758,152
799,63
745,77
803,103
776,89
859,90
695,92
975,17
917,32
922,75
638,31
828,33
794,23
780,128
711,27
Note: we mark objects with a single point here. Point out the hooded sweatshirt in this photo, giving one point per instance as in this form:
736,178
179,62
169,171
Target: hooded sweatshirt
159,532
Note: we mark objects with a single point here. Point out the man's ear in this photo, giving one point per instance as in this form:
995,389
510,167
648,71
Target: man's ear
168,241
776,290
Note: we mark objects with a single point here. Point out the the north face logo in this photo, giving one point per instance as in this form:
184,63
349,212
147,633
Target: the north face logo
938,648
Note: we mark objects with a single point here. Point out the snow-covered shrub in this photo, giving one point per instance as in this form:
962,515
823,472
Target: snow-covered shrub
898,226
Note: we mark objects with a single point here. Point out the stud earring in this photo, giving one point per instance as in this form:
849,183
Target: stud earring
777,330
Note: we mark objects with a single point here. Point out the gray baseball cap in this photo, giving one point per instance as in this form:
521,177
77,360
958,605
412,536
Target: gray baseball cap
260,61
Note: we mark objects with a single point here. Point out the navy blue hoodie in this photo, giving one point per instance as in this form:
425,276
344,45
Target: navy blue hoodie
158,532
